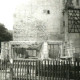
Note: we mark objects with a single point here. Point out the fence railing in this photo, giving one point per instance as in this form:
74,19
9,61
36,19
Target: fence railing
4,70
39,70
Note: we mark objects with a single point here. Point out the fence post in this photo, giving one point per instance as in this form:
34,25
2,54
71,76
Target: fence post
11,69
69,70
78,70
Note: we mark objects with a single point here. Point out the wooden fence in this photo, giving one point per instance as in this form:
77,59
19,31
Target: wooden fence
39,70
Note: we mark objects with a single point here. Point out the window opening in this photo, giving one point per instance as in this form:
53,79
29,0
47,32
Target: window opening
46,11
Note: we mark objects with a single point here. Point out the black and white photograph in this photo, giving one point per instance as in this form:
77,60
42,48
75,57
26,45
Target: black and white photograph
39,39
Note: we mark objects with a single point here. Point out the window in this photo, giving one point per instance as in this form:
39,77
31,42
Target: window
20,52
73,21
54,51
46,11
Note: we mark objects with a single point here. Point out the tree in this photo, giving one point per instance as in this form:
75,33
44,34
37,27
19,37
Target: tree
5,35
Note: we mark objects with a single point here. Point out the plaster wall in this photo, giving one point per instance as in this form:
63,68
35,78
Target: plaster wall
38,20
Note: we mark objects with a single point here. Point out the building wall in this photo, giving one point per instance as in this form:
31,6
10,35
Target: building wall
72,39
4,50
38,20
75,37
76,3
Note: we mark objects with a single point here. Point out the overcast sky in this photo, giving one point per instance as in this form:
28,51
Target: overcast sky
7,8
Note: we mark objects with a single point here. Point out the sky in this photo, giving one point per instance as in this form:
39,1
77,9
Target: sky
7,8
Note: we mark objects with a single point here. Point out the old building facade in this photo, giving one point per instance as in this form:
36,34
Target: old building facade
48,21
38,20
